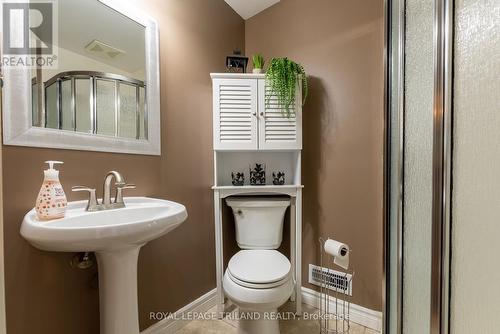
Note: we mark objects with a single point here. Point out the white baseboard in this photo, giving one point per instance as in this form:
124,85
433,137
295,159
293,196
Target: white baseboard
358,314
169,326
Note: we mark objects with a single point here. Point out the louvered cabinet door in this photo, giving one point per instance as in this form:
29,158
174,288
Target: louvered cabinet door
235,114
276,130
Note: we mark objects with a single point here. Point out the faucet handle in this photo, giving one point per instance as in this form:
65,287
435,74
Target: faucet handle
119,191
92,203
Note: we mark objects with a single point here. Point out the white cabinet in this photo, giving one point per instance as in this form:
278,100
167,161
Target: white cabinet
247,131
235,114
276,130
244,121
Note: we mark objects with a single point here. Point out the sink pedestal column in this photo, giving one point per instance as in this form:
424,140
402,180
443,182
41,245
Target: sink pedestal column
118,291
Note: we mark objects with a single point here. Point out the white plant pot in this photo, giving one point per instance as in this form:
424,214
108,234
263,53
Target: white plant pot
257,70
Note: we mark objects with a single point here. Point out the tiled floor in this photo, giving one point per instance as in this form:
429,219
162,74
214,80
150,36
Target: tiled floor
291,326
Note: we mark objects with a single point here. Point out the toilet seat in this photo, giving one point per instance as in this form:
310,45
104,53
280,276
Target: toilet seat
257,285
259,269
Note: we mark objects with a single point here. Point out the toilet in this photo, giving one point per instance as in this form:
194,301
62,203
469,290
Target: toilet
258,278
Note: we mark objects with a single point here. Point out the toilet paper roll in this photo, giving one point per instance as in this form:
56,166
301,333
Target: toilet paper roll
339,251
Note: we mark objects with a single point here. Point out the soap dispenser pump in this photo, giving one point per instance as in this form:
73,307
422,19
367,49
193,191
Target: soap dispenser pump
51,202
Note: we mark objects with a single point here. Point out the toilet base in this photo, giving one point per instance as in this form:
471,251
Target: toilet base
258,322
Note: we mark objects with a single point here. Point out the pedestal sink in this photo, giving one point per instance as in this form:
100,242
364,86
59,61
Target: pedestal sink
116,237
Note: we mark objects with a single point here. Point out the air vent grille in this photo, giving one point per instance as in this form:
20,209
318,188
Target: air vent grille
335,280
103,50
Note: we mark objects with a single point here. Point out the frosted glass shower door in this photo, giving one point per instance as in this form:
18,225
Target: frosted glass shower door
418,134
445,234
475,218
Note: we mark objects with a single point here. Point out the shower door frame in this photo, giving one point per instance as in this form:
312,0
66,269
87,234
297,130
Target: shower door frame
394,79
441,161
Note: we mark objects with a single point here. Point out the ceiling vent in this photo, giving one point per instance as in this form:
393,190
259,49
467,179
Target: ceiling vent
103,50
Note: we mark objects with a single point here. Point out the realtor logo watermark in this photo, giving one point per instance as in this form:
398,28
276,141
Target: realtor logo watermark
29,34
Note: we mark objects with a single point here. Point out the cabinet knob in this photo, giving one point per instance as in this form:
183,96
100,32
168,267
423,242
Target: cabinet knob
262,113
254,113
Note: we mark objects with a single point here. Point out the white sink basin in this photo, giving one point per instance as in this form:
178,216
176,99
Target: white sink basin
116,237
143,219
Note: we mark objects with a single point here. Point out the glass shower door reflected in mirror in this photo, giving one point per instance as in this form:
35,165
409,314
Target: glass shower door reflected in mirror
83,105
99,84
128,112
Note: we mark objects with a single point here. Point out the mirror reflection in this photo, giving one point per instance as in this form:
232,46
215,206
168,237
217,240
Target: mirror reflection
100,84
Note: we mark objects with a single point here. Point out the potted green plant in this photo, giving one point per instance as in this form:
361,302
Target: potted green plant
282,78
258,63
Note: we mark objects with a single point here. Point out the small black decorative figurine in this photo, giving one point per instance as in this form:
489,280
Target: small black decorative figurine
279,178
238,179
258,175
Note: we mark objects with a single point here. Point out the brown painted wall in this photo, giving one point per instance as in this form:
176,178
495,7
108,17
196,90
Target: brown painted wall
43,294
340,45
195,37
2,267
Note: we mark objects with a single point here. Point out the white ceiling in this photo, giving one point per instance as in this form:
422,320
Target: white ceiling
249,8
82,21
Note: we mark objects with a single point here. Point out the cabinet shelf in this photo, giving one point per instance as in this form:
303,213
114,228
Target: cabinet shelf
237,75
290,190
284,161
269,186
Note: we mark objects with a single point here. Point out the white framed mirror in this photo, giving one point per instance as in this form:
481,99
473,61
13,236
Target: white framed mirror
103,94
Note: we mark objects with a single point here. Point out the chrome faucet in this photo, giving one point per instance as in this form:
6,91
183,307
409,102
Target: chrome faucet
106,203
119,182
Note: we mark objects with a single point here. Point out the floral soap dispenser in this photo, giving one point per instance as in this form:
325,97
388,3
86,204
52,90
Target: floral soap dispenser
51,202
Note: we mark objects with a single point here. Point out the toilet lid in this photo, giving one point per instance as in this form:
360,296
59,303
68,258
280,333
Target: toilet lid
259,266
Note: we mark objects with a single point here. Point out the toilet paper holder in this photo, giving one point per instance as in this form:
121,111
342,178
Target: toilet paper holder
335,292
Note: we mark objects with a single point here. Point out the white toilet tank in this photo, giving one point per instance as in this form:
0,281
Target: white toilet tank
259,221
